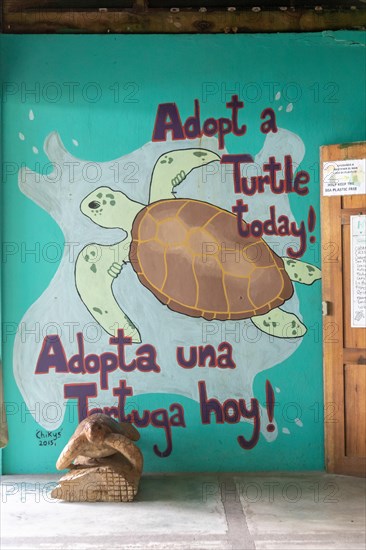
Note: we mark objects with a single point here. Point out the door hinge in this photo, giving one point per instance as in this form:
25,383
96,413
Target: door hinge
325,308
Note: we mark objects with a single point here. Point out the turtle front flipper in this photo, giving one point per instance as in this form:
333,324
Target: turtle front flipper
280,323
73,448
126,448
128,430
301,272
172,168
95,271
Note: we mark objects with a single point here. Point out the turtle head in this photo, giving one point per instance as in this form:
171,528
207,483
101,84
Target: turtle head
96,432
100,205
109,208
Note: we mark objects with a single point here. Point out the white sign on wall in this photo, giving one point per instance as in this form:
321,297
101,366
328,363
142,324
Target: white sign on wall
358,271
344,177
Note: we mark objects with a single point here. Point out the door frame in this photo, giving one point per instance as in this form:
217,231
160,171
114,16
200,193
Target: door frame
335,355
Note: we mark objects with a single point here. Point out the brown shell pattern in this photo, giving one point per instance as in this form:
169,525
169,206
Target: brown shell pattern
190,255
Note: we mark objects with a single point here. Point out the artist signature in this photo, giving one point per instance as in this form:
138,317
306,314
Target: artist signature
46,439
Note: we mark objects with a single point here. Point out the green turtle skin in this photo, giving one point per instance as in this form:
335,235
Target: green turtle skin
301,272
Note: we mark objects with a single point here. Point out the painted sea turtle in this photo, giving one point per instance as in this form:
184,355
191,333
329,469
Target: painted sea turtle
98,265
100,436
189,255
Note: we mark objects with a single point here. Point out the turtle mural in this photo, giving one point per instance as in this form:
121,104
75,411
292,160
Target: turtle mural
189,255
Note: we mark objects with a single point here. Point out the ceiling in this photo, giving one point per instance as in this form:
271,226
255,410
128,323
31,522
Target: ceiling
180,16
16,5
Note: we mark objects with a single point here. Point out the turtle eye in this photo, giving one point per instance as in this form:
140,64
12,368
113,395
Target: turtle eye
94,205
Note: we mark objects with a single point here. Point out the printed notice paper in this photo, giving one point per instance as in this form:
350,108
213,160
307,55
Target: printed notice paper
344,177
358,271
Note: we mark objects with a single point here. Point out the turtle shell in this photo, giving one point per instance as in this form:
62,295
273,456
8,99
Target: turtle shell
191,256
107,424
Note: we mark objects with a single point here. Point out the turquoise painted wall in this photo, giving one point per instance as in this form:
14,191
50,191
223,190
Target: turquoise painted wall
101,94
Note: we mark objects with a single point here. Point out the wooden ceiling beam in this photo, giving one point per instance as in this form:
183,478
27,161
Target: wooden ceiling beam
185,21
19,5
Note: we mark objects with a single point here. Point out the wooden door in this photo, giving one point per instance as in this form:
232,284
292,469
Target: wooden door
344,346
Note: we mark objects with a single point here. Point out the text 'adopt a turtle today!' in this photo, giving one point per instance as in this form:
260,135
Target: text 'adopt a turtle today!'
168,123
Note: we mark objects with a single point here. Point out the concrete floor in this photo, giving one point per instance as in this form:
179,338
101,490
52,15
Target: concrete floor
238,512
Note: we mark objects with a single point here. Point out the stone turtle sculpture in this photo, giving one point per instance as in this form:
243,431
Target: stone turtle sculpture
104,462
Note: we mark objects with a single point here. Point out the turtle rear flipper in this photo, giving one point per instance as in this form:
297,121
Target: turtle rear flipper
280,323
301,272
128,430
